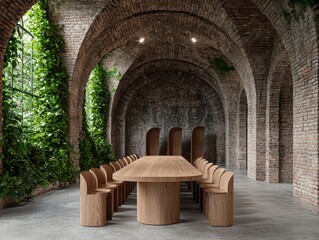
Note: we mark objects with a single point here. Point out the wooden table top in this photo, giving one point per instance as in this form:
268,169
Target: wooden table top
158,169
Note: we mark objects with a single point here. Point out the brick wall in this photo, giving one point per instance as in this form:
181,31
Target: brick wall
246,32
175,100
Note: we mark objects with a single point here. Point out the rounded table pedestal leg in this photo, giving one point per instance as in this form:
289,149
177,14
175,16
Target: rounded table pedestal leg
158,203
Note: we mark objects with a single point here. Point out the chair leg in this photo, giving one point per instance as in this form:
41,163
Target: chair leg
93,210
218,210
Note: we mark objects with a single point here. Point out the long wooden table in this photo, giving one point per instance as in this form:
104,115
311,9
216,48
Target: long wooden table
158,181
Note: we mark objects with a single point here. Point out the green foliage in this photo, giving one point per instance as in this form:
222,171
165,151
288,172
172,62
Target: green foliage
298,8
221,66
94,147
41,156
51,120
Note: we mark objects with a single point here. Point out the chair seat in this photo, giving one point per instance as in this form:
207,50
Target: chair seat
217,191
209,185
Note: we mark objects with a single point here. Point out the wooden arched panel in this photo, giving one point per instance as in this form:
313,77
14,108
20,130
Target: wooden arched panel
152,142
175,142
197,144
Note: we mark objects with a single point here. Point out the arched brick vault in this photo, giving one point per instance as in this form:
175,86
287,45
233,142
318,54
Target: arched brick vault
135,80
222,40
229,17
278,135
215,125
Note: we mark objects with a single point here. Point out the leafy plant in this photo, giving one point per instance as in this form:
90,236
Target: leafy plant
298,8
51,120
94,147
221,66
40,155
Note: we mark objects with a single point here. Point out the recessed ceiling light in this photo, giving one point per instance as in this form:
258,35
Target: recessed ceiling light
194,40
141,40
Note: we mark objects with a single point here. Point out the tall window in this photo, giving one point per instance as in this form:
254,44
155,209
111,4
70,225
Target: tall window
20,74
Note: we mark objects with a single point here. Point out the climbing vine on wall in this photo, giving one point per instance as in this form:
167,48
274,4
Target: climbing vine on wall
298,8
51,119
221,66
94,147
40,155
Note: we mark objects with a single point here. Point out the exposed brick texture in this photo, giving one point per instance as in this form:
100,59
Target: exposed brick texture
265,115
171,99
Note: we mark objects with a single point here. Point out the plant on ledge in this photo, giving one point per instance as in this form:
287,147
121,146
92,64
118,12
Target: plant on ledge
221,66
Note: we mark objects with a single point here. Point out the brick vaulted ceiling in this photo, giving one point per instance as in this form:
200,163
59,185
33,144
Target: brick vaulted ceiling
252,35
235,29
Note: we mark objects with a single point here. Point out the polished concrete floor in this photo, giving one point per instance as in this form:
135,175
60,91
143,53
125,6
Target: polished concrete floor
261,211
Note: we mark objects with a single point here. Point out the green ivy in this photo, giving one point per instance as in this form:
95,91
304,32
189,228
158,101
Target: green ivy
221,66
94,147
298,8
36,158
51,119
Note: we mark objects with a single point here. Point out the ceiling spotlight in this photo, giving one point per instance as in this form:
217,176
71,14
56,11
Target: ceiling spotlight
194,40
142,40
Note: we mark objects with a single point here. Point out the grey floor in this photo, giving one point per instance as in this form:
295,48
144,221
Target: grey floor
262,211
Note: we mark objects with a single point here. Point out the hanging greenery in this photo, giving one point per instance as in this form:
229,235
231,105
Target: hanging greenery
40,155
298,9
95,148
51,120
221,66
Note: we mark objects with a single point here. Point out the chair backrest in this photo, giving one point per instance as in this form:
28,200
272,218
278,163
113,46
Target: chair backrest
210,175
127,161
88,182
152,142
217,174
195,163
197,143
130,159
121,162
205,170
108,171
202,165
227,182
199,162
136,156
99,175
116,166
175,141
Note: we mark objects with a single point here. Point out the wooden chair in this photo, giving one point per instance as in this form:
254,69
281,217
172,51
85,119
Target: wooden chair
152,142
128,160
92,203
108,173
175,142
210,175
131,159
121,162
197,143
206,186
200,166
136,156
216,179
205,170
124,162
101,186
220,202
192,186
195,163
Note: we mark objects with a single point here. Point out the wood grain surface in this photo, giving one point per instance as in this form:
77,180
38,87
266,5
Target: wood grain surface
159,169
